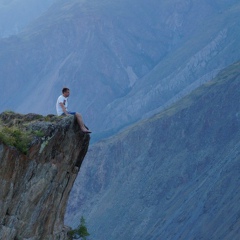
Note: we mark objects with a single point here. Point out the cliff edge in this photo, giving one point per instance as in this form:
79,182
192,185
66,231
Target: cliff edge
39,160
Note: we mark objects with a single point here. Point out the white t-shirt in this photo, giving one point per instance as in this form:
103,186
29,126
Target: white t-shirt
61,99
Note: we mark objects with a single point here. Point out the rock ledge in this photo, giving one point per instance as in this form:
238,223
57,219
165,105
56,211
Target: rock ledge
36,180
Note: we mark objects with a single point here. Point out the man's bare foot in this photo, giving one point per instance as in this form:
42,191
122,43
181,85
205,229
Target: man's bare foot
86,131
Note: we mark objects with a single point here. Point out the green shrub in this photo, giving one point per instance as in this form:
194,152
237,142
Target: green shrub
38,133
80,232
9,112
14,137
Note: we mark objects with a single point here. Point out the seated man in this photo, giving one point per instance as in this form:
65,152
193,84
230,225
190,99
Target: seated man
61,107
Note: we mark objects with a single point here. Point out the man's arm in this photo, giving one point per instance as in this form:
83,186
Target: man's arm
63,108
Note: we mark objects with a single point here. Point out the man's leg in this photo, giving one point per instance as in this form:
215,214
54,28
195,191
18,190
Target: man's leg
81,123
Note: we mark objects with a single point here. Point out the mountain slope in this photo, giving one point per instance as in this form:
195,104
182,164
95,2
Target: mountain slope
212,47
121,59
173,176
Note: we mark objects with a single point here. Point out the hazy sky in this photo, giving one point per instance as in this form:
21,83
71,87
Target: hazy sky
16,14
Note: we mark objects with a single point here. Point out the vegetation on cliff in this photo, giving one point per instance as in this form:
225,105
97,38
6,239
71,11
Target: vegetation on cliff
80,232
18,130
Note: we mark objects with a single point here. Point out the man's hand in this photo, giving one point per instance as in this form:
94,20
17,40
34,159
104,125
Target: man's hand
63,108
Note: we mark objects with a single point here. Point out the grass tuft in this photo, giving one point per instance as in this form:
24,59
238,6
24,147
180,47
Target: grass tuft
13,136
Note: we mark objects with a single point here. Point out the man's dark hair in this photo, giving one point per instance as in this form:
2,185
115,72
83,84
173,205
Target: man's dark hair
65,89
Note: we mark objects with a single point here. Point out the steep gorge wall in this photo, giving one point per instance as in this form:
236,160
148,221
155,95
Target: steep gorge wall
173,176
35,186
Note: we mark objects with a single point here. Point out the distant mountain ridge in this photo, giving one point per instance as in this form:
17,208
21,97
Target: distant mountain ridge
124,60
17,14
173,176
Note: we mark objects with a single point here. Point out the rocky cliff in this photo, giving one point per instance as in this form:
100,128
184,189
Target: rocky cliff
37,173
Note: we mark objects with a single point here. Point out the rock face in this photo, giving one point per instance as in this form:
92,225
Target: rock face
35,186
173,176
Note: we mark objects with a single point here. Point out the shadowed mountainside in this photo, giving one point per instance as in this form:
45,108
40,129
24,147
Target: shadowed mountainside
173,176
123,59
204,52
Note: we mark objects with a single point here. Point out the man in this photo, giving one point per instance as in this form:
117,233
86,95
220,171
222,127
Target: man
61,107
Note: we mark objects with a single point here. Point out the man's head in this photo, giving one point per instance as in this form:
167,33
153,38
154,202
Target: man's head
65,92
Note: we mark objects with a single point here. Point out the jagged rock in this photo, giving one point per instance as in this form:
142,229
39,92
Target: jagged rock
35,185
